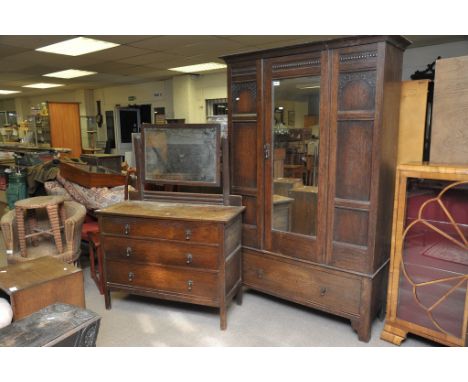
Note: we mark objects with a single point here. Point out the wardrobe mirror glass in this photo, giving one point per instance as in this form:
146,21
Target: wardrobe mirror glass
295,154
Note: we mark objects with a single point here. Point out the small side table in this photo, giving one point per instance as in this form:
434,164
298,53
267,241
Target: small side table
55,212
35,284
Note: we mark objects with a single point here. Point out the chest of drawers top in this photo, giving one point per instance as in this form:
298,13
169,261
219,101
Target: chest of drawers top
173,211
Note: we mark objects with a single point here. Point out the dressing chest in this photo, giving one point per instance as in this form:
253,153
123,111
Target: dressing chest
174,245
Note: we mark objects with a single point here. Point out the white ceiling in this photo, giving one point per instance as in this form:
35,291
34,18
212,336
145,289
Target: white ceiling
138,58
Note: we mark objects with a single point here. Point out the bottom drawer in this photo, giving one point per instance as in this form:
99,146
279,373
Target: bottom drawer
163,279
302,283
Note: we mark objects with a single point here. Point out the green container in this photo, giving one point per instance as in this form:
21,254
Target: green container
16,189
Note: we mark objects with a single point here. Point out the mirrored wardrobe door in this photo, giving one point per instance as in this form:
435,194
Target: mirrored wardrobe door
293,180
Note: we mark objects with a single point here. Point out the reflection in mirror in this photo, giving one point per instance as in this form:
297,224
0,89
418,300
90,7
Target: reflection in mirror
182,155
295,154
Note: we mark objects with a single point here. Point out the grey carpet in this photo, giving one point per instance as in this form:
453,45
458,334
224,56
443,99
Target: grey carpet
261,320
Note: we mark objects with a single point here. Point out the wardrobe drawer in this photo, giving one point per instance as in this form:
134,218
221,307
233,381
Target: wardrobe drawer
201,232
160,252
302,283
163,279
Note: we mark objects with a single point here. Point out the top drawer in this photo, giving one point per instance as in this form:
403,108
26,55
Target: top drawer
201,232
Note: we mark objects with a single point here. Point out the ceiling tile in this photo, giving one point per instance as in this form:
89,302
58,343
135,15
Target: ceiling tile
163,43
32,42
119,39
7,50
156,74
110,67
117,53
260,39
9,76
418,41
50,59
150,58
8,65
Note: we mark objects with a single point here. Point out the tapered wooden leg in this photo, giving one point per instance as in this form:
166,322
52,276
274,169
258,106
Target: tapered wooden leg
21,230
52,212
363,329
240,295
381,313
107,299
223,317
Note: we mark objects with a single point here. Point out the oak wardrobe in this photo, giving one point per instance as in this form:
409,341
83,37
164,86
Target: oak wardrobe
313,134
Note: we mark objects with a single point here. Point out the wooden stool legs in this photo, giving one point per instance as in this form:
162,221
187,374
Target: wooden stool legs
21,230
53,213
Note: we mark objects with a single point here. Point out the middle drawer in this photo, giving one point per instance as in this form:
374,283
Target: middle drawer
161,252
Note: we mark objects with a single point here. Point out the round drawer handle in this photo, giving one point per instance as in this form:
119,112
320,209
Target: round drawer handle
323,290
128,251
127,229
189,258
131,276
189,285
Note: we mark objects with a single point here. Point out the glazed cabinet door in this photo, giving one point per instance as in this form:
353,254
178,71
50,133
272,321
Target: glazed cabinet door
295,147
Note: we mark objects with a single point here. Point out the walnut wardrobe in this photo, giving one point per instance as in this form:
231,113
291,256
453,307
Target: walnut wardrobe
313,135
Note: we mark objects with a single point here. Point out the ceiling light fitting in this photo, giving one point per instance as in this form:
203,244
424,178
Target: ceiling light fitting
42,85
77,46
69,73
199,67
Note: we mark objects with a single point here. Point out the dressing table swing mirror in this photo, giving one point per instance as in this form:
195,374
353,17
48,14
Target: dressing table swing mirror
179,236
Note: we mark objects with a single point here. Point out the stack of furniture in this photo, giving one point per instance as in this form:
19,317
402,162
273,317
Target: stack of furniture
341,266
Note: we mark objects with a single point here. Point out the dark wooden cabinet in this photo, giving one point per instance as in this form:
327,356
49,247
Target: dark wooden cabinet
343,96
173,251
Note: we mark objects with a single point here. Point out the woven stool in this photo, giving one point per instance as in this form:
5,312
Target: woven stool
55,212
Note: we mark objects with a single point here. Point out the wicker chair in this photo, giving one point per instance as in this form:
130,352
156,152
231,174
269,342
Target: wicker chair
75,214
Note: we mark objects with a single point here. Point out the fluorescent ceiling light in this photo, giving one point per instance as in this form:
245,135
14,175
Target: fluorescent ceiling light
70,73
199,67
42,85
77,46
9,91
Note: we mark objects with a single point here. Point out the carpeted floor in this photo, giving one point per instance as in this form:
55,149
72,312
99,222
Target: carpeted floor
261,320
